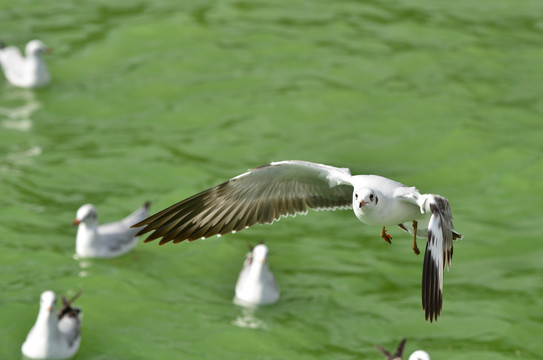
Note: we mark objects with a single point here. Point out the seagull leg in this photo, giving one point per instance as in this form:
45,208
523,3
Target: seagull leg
386,236
415,247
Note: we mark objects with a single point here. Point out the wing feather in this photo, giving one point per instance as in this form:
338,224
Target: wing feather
259,196
439,250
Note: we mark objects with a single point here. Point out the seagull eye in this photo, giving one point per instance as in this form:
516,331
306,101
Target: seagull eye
356,196
371,197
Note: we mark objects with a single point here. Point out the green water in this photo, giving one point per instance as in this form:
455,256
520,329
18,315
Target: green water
157,100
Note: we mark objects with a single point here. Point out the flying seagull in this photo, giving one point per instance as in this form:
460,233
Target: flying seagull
398,355
25,72
269,192
256,284
54,335
106,240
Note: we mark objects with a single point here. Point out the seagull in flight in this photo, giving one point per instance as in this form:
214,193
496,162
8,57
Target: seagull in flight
265,194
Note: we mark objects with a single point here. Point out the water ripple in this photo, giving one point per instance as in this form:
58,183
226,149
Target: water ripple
18,116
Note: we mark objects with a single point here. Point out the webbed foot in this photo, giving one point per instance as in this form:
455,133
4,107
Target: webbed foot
386,236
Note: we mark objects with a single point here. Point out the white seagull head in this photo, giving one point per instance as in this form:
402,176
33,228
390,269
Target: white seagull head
419,355
36,48
260,253
48,301
86,214
364,199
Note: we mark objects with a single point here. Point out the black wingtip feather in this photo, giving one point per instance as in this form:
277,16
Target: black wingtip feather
432,298
67,308
400,348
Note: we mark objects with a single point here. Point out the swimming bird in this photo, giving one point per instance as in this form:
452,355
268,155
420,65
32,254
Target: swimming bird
55,335
107,240
398,355
25,72
269,192
256,284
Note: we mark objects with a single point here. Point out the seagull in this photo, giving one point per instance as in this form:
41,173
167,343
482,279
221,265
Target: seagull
417,355
107,240
25,72
256,284
265,194
54,336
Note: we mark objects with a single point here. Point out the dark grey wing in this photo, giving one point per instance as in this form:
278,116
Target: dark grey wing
259,196
69,319
439,251
69,326
67,306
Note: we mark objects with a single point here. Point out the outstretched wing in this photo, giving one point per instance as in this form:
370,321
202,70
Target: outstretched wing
439,248
261,195
439,252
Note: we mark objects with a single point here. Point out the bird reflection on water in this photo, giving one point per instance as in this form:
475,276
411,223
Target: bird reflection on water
247,319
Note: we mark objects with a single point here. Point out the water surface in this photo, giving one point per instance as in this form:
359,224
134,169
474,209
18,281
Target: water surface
157,100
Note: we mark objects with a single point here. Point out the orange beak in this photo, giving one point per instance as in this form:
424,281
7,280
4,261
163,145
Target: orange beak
76,222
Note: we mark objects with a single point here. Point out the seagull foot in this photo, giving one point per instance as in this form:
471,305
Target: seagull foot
415,247
386,236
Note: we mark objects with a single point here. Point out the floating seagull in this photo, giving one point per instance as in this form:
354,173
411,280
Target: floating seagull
269,192
107,240
25,72
417,355
256,284
54,335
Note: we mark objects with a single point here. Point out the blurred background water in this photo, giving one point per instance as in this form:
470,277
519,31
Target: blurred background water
157,100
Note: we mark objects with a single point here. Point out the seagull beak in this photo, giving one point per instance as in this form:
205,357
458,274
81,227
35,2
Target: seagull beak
76,222
48,50
362,203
